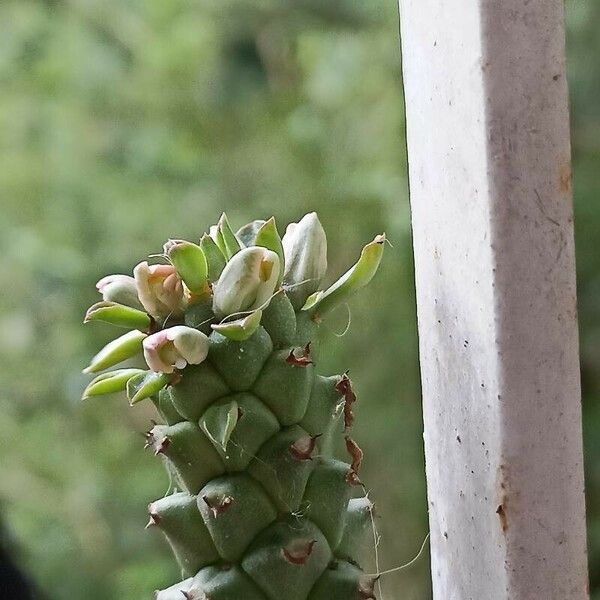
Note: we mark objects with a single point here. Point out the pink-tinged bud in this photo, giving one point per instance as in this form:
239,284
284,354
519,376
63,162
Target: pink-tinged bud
174,348
160,290
121,289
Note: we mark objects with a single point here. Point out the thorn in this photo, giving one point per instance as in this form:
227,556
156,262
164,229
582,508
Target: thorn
355,453
149,439
344,387
366,588
352,478
304,446
370,507
162,446
153,521
220,506
300,361
298,552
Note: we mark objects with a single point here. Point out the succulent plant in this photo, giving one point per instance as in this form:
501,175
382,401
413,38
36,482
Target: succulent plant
228,330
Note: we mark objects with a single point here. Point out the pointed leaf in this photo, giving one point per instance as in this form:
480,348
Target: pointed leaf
190,262
217,236
240,329
118,314
214,257
146,384
117,351
268,237
354,279
219,422
109,383
230,242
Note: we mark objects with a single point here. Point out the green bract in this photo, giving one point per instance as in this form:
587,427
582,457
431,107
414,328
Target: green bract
190,262
263,509
118,314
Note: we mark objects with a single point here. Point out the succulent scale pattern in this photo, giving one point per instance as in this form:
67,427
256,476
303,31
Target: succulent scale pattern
265,511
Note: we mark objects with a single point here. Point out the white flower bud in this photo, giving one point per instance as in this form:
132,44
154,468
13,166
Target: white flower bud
305,251
247,281
120,289
175,348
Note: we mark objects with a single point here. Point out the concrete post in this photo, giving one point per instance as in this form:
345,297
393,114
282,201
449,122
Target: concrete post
490,182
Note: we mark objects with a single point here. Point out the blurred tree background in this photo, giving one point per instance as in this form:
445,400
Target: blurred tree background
125,122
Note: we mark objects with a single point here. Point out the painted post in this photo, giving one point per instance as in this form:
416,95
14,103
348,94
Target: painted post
490,182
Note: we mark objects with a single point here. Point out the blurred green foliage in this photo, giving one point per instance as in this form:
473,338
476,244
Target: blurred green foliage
125,122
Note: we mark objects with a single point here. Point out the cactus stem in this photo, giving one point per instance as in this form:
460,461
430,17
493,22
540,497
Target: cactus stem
232,373
300,361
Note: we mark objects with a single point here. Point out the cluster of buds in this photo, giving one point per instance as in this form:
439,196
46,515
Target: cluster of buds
228,277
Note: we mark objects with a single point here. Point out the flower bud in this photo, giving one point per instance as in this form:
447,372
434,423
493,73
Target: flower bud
305,250
121,289
160,290
174,348
190,262
247,281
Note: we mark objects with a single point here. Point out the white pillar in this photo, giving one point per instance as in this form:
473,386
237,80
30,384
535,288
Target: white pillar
490,182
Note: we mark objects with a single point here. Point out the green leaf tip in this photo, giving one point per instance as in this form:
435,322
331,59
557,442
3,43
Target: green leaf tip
230,243
240,329
190,262
146,384
109,383
215,259
357,277
117,351
268,237
219,423
119,315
